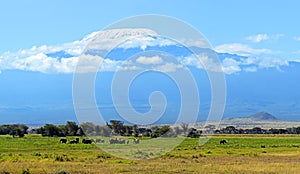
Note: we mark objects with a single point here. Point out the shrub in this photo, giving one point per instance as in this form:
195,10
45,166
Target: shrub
61,171
25,171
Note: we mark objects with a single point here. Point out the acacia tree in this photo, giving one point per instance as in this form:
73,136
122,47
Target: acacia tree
177,130
164,131
194,133
88,128
105,131
185,128
15,130
117,126
72,128
49,130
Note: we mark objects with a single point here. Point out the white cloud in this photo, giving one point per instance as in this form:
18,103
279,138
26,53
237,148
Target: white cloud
110,65
149,60
277,36
233,65
252,64
240,49
66,65
297,38
201,42
250,69
258,38
155,63
128,68
268,62
41,63
202,61
169,67
90,63
263,37
37,58
230,66
146,41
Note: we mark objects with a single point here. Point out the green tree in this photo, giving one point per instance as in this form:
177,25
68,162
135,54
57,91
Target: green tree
256,130
185,128
16,130
164,131
97,130
72,128
50,130
5,129
105,131
88,128
194,133
128,130
135,130
62,130
230,128
13,132
118,127
177,130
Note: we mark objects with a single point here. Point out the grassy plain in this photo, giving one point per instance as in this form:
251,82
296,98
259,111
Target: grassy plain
242,154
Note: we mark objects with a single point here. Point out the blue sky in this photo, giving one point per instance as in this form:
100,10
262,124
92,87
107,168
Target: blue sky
35,23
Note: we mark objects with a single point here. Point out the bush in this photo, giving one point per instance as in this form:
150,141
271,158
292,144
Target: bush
61,171
25,171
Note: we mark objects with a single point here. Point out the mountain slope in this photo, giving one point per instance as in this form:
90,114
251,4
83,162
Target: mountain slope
258,117
262,116
44,75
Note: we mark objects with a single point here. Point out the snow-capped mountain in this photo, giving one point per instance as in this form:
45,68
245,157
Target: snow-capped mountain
38,81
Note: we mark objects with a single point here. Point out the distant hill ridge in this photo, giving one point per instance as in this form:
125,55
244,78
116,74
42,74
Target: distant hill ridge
262,119
261,116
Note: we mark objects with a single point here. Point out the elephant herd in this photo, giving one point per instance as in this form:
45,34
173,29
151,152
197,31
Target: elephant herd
84,141
118,141
98,140
112,141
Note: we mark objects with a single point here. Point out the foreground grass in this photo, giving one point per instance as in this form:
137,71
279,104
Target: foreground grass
242,154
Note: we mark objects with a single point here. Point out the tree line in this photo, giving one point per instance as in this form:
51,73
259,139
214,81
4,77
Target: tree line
116,127
255,130
211,129
14,130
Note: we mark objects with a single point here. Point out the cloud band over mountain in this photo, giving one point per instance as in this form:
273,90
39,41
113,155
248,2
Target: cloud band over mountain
64,58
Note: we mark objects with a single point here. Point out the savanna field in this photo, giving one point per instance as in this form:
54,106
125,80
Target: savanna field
241,154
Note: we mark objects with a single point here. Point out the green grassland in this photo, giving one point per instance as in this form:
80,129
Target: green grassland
242,154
